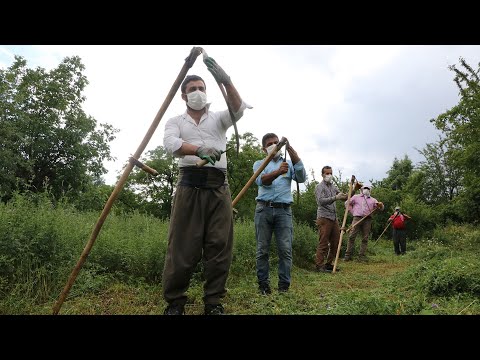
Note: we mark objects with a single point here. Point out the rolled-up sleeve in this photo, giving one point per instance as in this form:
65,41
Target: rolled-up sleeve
381,208
241,109
171,139
258,180
300,175
225,115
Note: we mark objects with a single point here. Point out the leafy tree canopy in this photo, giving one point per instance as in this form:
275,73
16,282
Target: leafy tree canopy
47,139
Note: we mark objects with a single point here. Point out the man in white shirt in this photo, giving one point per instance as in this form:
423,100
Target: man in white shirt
201,221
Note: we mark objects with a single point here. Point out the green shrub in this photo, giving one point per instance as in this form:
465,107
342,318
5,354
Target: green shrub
132,245
445,277
244,248
305,240
452,276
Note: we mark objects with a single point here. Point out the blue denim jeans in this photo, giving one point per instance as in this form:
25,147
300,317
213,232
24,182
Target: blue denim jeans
278,221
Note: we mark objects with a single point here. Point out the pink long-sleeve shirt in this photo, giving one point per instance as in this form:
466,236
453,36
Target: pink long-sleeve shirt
361,205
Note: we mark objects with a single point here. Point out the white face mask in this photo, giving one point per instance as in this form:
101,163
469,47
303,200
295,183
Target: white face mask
271,148
327,178
197,100
366,192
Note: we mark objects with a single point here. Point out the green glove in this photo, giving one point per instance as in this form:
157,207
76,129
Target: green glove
218,73
209,154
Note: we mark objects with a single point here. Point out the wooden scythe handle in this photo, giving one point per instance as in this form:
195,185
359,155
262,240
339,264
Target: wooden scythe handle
343,223
259,170
189,61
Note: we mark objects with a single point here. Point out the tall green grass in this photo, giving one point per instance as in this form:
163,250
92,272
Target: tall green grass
41,241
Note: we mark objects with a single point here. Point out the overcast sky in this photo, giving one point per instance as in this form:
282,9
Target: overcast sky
354,108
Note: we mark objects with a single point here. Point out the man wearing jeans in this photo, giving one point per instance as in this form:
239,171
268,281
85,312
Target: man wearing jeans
273,213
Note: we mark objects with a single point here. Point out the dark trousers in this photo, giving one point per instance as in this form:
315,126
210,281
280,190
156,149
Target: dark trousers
328,237
365,227
201,227
399,241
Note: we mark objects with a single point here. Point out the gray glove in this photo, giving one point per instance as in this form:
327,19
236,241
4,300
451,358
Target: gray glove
341,196
218,73
209,154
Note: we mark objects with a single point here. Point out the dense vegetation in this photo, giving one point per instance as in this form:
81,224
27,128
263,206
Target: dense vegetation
41,243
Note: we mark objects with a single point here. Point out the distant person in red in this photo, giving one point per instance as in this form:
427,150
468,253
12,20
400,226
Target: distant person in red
399,231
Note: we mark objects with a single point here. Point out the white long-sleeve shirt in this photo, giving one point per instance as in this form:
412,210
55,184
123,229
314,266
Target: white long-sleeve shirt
210,132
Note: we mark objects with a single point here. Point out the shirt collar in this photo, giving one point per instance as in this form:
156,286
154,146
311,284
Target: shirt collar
280,158
205,114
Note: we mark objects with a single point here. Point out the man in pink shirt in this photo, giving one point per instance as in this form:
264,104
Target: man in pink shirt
360,206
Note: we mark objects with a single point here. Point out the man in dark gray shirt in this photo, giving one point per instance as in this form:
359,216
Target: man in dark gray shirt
326,193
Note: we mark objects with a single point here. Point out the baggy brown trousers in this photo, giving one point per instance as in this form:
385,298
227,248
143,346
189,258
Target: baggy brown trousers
328,237
365,226
201,227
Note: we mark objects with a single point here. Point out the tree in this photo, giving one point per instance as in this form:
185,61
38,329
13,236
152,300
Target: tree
398,173
440,180
156,192
240,170
461,128
95,196
47,139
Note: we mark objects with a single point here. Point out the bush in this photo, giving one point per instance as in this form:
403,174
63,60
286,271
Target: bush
244,248
305,241
446,277
452,276
132,246
30,240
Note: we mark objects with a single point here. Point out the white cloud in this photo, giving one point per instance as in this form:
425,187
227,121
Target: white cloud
352,107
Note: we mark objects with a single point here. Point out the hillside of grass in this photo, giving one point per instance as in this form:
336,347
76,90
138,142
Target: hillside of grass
40,244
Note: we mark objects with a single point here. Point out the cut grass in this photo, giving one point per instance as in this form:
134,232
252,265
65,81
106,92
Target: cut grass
311,293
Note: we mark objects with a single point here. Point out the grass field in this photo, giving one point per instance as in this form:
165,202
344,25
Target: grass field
39,246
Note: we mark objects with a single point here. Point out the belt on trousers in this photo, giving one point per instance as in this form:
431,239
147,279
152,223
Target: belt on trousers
201,178
274,204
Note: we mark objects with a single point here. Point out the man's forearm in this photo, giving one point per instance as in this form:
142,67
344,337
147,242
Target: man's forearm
234,99
187,149
267,179
325,200
295,158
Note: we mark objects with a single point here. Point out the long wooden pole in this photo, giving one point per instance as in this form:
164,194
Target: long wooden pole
189,61
359,221
259,170
386,227
343,223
